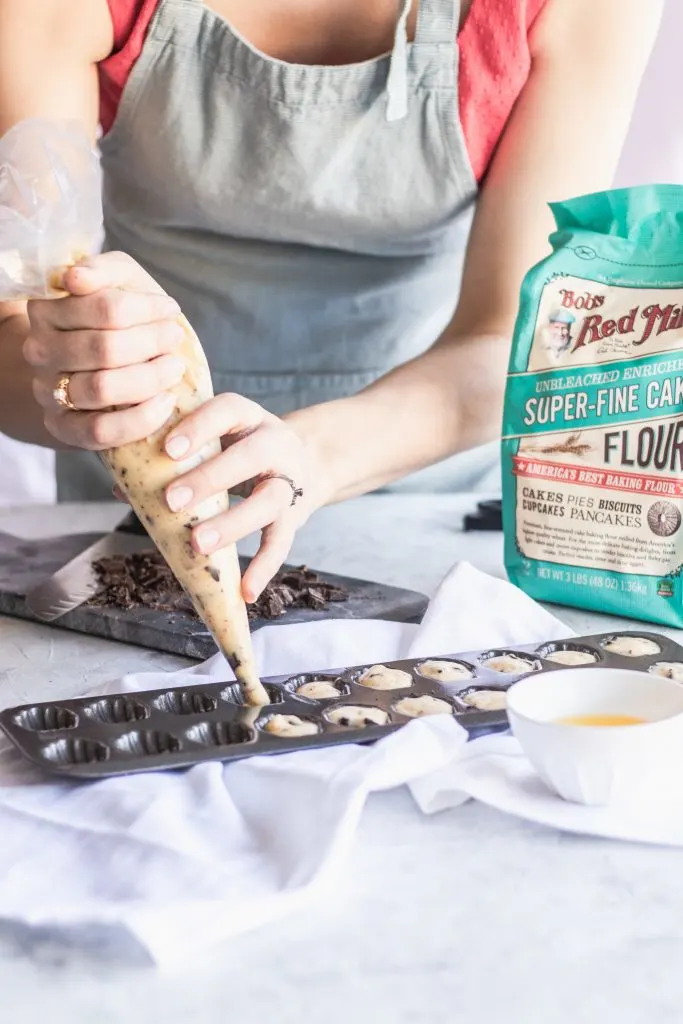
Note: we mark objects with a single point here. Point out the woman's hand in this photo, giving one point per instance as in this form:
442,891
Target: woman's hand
113,338
263,459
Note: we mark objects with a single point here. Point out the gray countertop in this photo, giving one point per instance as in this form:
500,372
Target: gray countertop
466,916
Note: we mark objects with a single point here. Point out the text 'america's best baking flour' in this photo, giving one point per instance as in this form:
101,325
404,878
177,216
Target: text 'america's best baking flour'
593,421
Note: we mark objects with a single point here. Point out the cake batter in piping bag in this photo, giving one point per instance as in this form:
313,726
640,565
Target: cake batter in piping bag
143,471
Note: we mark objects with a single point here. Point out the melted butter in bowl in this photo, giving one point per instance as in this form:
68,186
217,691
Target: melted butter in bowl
601,720
602,737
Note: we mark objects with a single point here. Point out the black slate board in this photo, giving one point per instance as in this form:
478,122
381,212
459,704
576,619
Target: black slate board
25,563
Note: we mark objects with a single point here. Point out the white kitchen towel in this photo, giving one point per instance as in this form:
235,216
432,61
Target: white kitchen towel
181,859
494,770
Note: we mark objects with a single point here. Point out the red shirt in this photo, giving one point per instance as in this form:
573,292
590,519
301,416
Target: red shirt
494,65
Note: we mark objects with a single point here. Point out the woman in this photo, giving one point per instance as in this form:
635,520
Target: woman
300,179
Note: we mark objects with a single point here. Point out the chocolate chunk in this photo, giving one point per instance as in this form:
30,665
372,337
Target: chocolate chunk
144,580
213,573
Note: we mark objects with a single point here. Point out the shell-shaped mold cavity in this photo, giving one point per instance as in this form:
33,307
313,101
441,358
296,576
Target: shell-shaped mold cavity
444,670
483,698
186,702
356,716
289,726
668,670
220,734
117,711
509,663
420,705
568,654
382,677
46,718
233,695
148,743
76,750
633,646
319,687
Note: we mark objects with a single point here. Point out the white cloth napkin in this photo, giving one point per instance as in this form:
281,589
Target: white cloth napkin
178,859
494,770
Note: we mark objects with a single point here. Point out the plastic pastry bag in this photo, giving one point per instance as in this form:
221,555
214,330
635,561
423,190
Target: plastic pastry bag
50,218
50,206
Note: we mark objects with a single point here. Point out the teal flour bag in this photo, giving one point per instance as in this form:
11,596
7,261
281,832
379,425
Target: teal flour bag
593,424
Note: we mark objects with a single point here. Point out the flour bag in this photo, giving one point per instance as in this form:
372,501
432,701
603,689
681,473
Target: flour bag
593,424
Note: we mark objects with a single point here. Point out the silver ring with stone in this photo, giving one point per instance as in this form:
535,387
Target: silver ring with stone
297,492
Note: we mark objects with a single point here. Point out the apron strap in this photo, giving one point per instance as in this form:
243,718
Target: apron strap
397,79
437,21
437,24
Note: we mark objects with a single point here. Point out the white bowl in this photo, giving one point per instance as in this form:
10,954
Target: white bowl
599,765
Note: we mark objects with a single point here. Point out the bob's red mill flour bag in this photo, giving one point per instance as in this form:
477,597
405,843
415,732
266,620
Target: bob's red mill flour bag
593,421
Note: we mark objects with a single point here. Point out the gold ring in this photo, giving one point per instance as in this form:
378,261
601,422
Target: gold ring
61,394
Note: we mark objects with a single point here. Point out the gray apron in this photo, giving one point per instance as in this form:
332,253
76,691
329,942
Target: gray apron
311,221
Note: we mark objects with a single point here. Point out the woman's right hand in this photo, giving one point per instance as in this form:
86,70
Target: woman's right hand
114,337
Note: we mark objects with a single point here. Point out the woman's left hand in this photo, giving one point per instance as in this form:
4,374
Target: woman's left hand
261,455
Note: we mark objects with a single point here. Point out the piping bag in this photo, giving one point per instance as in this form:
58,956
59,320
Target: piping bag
142,470
50,217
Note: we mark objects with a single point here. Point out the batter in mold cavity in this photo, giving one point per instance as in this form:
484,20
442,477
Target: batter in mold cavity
380,677
632,646
419,707
509,664
444,671
485,700
318,689
290,726
355,717
668,669
571,656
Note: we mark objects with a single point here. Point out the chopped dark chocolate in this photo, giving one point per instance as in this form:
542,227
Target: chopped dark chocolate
144,580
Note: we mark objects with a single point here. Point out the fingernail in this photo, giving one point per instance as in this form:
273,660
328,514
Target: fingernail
177,446
208,539
167,401
79,269
179,497
176,369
